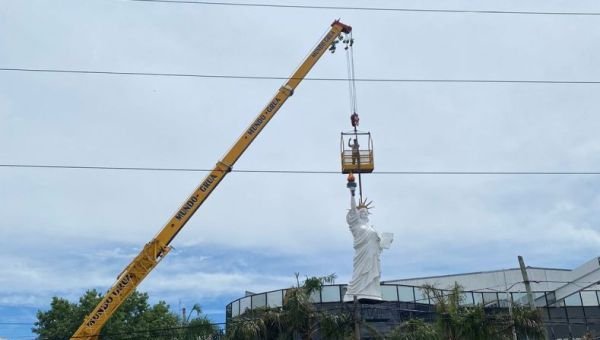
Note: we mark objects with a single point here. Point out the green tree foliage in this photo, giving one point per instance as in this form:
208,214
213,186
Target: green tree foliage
198,328
528,323
414,329
299,319
135,317
456,321
296,319
335,326
59,322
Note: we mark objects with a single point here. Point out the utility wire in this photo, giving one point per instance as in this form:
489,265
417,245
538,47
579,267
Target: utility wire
373,9
225,76
84,167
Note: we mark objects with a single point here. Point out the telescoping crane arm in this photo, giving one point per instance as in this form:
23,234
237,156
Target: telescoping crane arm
158,247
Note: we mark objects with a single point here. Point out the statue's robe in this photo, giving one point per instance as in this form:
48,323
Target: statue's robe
367,266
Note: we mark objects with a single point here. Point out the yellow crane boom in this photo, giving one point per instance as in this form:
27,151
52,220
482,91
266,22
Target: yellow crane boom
158,247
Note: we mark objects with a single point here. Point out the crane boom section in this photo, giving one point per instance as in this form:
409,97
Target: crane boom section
156,249
224,166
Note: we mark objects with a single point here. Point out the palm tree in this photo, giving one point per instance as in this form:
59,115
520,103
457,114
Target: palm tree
414,329
197,328
335,326
455,321
528,323
296,319
246,327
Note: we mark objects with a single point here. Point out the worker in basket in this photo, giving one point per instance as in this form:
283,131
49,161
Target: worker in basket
355,152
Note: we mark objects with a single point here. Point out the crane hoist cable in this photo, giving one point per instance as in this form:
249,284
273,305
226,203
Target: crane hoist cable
349,42
351,88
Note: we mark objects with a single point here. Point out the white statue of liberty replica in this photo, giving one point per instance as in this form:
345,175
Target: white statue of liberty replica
368,245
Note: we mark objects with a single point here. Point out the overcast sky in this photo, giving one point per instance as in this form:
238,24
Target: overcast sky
65,231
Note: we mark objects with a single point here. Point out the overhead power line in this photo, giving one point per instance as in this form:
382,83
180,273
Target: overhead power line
225,76
372,9
325,172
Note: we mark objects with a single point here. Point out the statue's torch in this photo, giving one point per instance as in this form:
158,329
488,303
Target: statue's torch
351,184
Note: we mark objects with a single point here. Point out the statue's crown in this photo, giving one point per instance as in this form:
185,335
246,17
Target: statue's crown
364,204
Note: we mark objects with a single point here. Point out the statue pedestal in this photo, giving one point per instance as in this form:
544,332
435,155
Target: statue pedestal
363,298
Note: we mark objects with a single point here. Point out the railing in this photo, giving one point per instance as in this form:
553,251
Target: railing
363,161
411,294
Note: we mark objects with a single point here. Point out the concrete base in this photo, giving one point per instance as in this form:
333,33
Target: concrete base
362,297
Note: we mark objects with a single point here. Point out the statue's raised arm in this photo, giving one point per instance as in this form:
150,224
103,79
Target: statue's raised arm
352,217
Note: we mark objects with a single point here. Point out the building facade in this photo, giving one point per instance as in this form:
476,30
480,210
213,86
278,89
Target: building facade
568,299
